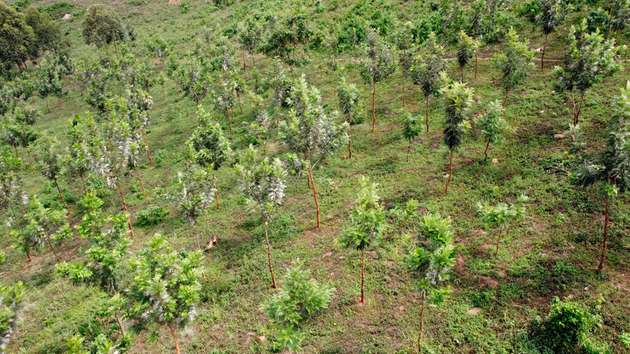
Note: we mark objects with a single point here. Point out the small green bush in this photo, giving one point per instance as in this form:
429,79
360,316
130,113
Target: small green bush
567,330
150,216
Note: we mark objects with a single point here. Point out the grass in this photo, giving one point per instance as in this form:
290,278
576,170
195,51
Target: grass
550,253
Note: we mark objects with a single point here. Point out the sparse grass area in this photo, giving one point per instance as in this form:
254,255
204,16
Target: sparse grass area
552,252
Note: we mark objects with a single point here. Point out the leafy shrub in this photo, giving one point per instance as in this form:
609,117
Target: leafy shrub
58,9
150,216
299,299
567,330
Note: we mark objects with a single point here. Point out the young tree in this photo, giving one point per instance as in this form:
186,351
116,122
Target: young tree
308,130
17,39
433,259
50,161
406,48
376,66
207,145
466,49
499,216
41,225
426,70
411,129
458,101
10,179
165,286
367,223
492,125
589,59
195,192
550,15
611,169
224,101
299,299
348,95
249,35
514,62
263,183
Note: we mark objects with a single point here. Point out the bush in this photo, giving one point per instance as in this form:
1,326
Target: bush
300,298
567,330
150,216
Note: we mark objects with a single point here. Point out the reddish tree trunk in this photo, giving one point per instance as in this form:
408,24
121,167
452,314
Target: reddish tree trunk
476,64
349,146
175,339
604,250
269,261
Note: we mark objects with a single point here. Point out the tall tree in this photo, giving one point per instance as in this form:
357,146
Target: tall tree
611,168
458,101
433,259
426,70
589,59
376,66
514,62
164,285
263,183
311,132
367,222
102,27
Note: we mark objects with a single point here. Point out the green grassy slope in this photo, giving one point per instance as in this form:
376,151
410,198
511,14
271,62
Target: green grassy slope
552,252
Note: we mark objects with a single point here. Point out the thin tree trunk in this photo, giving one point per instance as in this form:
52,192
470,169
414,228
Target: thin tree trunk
63,201
362,300
604,250
349,146
421,329
243,59
505,97
402,93
217,200
485,151
373,106
450,170
124,207
52,248
121,325
314,191
269,261
498,242
29,258
408,150
175,338
149,154
229,119
461,68
141,180
542,53
426,112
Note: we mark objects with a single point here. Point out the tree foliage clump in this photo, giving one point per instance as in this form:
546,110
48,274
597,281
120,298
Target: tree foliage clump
492,125
207,145
458,102
466,49
310,131
567,329
610,169
377,65
514,62
426,70
348,96
102,27
299,299
433,259
367,223
589,59
164,286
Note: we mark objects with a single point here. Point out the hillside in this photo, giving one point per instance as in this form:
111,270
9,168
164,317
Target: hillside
198,77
